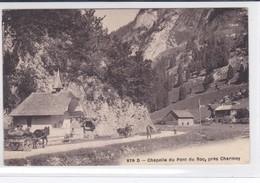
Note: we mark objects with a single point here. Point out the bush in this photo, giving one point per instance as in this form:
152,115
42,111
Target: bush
242,113
207,81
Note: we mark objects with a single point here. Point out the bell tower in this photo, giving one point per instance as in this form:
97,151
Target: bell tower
57,85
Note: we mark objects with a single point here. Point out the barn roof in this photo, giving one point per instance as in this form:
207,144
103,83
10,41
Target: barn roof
183,114
76,113
44,104
231,107
224,108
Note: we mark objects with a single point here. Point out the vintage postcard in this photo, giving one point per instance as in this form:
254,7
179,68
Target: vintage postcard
103,87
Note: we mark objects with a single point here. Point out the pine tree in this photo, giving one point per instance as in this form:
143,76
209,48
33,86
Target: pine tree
246,74
187,73
207,81
241,72
10,61
172,81
26,84
172,61
230,73
180,77
182,93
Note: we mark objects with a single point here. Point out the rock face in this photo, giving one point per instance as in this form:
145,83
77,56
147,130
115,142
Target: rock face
160,31
110,112
108,118
146,19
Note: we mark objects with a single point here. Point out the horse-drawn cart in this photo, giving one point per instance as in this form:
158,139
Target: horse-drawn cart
25,140
125,132
17,142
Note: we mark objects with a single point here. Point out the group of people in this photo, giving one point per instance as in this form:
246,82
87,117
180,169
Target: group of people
19,131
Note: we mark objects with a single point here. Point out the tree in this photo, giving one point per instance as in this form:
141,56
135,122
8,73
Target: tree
139,81
18,87
180,77
172,61
159,85
214,54
120,66
246,74
182,93
241,68
242,113
187,74
26,83
10,62
72,40
241,72
230,73
207,81
212,111
171,81
130,75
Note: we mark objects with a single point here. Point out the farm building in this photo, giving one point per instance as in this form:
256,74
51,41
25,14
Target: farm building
226,112
54,109
179,117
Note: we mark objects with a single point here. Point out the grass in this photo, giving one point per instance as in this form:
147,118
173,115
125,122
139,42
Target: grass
215,131
109,155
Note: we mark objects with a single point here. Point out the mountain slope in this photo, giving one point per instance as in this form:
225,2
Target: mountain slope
200,41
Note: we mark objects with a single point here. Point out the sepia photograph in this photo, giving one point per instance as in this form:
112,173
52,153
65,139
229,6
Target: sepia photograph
125,87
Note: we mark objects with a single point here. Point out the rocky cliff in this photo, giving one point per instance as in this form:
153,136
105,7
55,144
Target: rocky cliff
201,41
159,31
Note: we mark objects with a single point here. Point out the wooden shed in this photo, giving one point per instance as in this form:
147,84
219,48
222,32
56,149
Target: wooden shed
225,113
179,117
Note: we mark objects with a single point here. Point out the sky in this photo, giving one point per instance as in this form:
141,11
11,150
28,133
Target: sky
116,18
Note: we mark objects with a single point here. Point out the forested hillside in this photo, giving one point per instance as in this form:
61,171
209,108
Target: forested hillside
192,50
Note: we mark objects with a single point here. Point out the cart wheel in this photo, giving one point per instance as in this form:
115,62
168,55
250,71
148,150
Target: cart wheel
27,144
14,145
38,144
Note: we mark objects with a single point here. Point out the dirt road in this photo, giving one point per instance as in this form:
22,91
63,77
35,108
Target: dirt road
88,144
234,151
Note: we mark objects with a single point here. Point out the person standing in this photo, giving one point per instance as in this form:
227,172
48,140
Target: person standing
174,130
149,131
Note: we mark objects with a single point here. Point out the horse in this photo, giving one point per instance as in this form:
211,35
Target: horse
42,134
122,132
125,132
129,129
